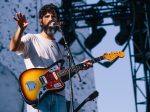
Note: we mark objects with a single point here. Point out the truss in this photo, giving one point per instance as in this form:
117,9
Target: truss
93,14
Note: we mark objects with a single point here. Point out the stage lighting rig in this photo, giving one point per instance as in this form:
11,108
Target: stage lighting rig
101,9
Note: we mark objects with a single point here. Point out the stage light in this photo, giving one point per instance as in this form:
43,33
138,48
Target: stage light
94,38
124,33
97,33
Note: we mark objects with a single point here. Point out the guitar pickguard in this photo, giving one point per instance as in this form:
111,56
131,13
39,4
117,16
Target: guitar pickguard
53,81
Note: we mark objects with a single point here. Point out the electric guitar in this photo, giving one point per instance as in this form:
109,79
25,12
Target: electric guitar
36,82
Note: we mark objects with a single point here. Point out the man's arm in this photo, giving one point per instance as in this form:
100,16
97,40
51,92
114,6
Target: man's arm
15,42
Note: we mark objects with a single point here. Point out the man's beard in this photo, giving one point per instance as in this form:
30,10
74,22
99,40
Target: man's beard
49,30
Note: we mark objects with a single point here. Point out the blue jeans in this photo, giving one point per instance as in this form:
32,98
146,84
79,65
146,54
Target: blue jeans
53,103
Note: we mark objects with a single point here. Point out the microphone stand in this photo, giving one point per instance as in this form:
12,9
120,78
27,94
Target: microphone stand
89,98
70,57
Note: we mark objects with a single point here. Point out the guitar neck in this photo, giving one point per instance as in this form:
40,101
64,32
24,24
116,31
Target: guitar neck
78,67
95,60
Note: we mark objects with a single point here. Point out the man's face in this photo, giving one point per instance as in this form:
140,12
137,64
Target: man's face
46,20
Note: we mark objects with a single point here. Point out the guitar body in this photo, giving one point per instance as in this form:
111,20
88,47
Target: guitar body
34,83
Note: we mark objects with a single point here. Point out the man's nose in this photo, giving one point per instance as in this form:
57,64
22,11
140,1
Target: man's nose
50,19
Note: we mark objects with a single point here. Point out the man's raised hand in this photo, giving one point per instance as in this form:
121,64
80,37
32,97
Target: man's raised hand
21,20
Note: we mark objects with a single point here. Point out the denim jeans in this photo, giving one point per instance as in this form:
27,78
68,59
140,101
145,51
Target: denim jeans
53,103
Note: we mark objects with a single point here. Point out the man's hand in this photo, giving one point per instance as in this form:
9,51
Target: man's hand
87,64
21,20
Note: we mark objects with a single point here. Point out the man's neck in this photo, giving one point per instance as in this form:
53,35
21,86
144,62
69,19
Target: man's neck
44,35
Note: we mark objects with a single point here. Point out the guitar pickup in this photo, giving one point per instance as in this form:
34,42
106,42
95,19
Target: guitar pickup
43,80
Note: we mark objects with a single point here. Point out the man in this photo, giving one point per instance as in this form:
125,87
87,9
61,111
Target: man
40,51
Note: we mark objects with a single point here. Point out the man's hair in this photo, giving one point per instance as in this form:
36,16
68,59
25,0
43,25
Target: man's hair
48,8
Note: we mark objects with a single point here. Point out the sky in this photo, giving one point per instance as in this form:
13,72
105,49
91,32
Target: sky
114,84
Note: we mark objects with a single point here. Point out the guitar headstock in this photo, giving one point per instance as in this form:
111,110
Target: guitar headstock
113,55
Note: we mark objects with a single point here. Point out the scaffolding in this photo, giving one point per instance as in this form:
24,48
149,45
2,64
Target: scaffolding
138,13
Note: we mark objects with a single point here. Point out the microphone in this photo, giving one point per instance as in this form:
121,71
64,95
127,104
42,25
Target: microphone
54,24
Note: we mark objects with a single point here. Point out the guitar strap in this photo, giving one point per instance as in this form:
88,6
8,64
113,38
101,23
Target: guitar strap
59,52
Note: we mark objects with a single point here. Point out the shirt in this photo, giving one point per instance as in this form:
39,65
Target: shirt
40,52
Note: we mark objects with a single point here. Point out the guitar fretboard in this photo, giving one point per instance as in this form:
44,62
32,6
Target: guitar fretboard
73,69
77,68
